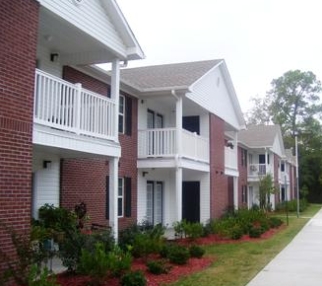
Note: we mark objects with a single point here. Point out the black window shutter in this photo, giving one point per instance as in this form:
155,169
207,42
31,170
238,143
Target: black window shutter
128,116
107,188
128,197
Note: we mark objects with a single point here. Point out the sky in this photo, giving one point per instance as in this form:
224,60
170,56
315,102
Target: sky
260,40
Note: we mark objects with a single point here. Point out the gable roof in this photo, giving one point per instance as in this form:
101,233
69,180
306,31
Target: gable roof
259,136
168,76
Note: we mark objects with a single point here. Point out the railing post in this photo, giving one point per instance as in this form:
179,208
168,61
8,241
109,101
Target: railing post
78,107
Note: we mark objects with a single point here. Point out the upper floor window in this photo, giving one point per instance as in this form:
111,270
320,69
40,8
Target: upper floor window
125,115
283,167
121,114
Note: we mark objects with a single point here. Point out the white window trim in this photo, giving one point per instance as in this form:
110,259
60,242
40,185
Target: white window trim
122,114
120,196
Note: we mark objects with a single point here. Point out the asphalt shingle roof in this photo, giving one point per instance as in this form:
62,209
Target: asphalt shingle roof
166,76
259,135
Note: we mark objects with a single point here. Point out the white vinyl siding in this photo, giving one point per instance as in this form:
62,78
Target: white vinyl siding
215,98
45,182
89,17
44,63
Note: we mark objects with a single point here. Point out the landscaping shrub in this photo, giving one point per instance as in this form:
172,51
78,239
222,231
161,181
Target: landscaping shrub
235,232
40,277
70,249
275,222
95,264
29,254
196,251
143,240
255,232
178,254
133,278
292,205
192,230
157,267
105,237
119,261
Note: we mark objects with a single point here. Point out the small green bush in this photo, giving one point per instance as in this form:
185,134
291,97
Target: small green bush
196,251
119,261
255,232
157,267
133,278
192,230
178,254
40,277
96,264
236,232
275,222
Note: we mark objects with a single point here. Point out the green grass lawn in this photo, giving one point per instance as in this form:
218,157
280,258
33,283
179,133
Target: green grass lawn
236,264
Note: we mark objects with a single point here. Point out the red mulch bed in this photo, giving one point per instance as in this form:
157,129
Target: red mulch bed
176,271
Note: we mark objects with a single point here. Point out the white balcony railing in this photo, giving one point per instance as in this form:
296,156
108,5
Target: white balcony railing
163,143
65,106
256,170
231,158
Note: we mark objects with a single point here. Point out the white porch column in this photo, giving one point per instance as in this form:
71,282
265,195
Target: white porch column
113,191
179,124
115,93
235,185
178,194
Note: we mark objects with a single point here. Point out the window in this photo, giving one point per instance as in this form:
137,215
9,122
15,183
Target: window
120,196
121,114
244,194
282,167
124,197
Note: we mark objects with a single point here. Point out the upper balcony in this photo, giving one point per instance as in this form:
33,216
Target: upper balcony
68,116
162,143
256,171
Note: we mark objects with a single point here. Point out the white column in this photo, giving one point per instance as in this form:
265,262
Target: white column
179,125
178,194
113,191
115,93
235,185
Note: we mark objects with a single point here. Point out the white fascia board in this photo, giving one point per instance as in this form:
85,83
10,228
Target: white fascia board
134,50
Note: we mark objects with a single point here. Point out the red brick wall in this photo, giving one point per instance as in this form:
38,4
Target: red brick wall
276,182
218,179
242,179
85,179
74,76
18,34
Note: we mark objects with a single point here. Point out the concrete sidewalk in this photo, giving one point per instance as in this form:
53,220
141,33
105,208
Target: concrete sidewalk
299,263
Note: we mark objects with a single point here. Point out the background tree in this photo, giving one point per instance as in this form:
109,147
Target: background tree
293,102
260,113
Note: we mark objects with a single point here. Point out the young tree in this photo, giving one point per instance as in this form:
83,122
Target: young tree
266,188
